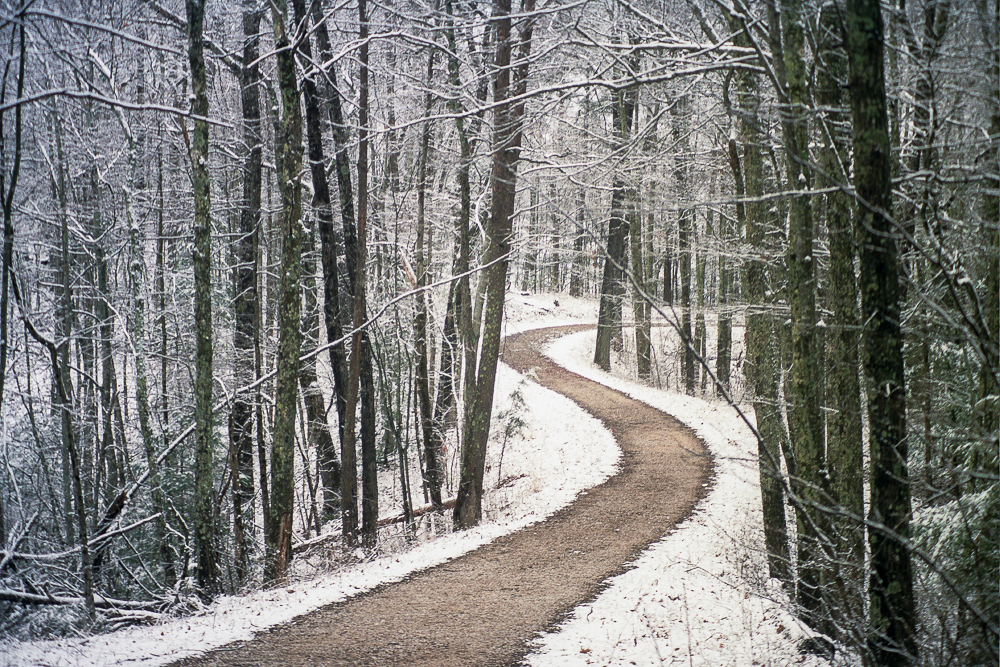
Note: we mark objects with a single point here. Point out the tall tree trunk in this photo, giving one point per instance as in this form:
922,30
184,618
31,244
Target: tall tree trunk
137,270
246,302
204,499
578,266
348,451
893,622
432,452
701,269
640,307
808,474
329,466
684,224
349,487
609,314
724,335
7,190
556,240
529,279
843,391
467,331
510,82
369,469
288,159
761,368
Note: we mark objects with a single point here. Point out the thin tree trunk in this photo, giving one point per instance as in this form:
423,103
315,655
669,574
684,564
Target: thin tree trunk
137,267
348,451
204,497
556,240
369,470
288,159
329,466
7,190
700,337
578,266
369,528
724,335
640,307
464,322
761,364
684,251
507,134
432,452
245,303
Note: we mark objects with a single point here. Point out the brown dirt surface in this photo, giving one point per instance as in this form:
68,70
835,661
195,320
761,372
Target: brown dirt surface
484,608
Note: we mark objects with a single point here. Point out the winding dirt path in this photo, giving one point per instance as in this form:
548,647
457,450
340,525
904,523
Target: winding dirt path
483,608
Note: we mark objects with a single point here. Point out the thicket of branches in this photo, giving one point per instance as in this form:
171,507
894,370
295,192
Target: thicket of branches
255,256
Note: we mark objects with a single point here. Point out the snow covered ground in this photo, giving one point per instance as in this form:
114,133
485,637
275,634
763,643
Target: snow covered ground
701,595
696,598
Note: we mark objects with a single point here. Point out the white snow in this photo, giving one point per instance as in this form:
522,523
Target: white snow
559,451
698,597
701,595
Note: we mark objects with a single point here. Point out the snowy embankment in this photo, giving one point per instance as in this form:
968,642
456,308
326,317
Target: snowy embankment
691,599
555,451
701,595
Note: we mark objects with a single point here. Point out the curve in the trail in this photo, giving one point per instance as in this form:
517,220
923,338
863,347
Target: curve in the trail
484,607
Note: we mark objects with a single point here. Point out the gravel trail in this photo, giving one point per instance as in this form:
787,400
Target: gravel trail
484,607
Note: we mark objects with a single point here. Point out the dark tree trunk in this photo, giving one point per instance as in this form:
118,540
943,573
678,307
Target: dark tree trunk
684,225
204,510
579,264
807,468
245,302
467,331
761,367
369,527
503,180
609,315
7,191
288,159
355,272
329,465
843,392
640,306
432,451
893,622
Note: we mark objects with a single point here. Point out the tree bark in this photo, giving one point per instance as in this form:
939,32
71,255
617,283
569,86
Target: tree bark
510,82
329,465
432,452
288,154
843,391
640,306
348,450
245,301
609,314
807,468
578,266
7,190
893,622
204,501
761,368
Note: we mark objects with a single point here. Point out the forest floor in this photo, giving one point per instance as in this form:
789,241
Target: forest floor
483,608
698,597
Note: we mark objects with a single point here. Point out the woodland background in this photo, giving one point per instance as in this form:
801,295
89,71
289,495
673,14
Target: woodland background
255,256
